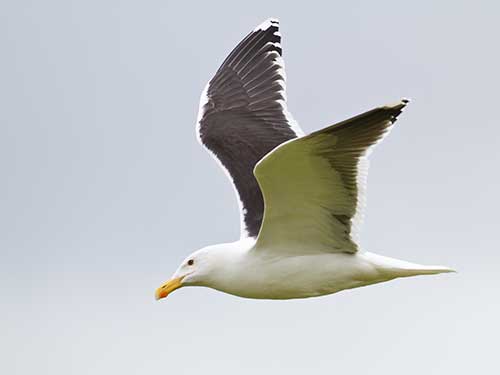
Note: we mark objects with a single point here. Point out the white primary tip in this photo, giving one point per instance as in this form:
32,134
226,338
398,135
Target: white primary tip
267,24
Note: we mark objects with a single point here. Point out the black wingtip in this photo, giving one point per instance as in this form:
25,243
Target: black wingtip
399,105
268,23
395,109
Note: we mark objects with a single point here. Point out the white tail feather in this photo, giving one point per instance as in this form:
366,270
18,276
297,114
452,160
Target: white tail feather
400,268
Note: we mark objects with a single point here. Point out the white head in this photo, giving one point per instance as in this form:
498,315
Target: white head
198,269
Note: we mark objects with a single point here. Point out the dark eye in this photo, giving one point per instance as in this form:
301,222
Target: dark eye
190,262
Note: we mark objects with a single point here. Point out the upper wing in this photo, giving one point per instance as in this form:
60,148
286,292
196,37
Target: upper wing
314,186
243,115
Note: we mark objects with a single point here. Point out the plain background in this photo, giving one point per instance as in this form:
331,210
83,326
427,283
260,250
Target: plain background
105,190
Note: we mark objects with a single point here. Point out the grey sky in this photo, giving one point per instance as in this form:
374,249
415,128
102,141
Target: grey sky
105,189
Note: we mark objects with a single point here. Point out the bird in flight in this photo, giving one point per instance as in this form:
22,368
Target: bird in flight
300,196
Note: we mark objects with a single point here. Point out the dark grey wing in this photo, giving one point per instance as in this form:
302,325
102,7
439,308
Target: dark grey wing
243,115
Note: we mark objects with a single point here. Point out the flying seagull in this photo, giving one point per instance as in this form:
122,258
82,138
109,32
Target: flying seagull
300,196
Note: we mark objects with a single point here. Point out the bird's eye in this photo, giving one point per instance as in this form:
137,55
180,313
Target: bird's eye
190,262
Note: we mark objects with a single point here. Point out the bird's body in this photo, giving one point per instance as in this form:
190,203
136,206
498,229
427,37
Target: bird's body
301,196
243,270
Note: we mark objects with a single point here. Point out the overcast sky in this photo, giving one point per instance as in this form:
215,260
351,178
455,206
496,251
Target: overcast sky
105,188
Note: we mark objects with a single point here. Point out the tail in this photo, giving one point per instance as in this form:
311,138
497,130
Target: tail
418,269
400,268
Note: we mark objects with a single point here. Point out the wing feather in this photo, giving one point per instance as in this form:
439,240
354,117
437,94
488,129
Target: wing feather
243,116
314,186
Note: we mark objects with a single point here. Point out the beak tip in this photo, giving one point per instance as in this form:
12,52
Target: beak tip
158,295
168,288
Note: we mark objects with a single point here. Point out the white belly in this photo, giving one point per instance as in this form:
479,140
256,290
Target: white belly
298,276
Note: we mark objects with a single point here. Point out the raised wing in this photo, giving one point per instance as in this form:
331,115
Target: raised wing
314,186
243,115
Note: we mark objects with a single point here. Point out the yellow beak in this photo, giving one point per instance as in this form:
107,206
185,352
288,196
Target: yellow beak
168,287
